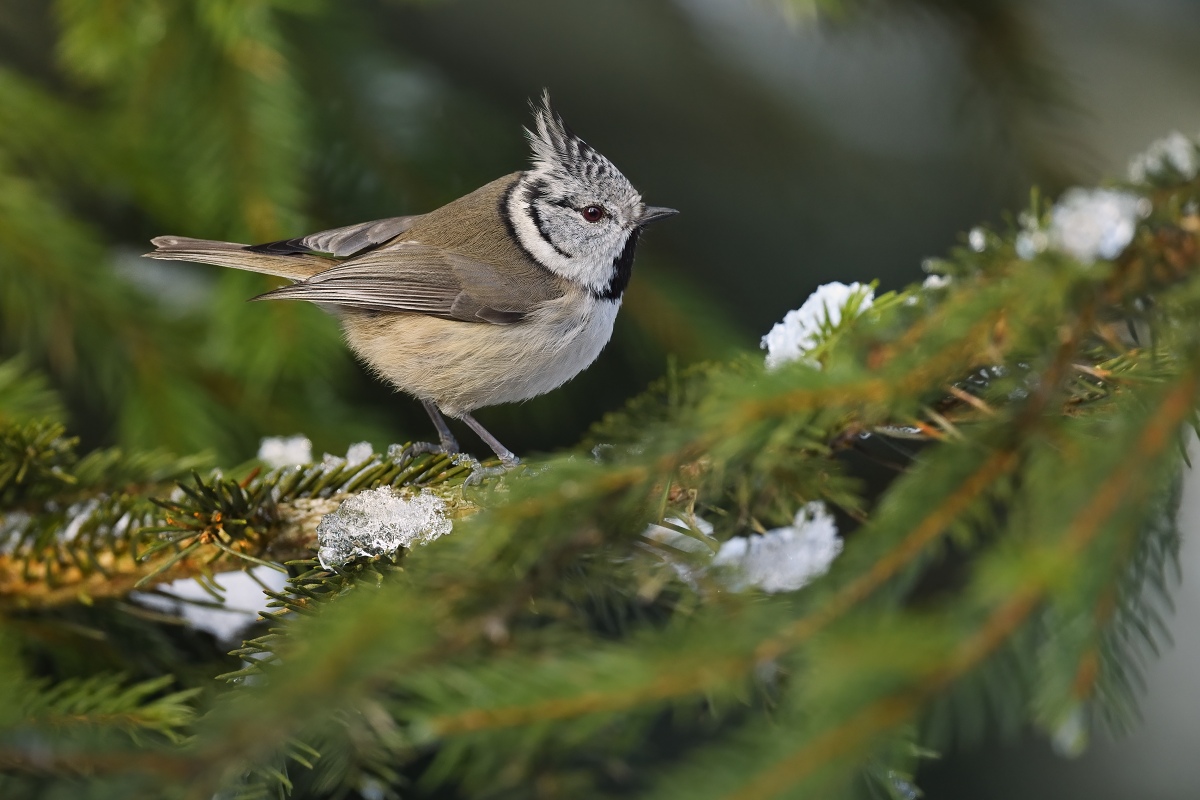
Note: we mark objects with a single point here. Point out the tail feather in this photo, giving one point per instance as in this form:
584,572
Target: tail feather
296,266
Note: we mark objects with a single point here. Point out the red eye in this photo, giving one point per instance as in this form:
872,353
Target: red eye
592,213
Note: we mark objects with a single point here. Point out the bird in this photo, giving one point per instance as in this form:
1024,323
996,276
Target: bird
497,297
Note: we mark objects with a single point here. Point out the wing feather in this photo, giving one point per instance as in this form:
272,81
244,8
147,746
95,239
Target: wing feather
344,242
413,278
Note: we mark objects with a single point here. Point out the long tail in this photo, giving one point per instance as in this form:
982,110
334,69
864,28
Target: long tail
297,266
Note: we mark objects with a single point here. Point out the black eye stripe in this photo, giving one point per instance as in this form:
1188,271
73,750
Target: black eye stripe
537,191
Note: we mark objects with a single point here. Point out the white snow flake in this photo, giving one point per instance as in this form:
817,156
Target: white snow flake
379,522
285,451
801,329
1088,224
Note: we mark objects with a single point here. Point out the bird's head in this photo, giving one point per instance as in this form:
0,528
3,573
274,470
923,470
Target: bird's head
574,212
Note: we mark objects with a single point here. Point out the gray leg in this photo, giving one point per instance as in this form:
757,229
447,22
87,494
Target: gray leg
449,443
506,455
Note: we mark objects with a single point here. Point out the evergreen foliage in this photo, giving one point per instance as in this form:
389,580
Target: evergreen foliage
1002,447
1002,578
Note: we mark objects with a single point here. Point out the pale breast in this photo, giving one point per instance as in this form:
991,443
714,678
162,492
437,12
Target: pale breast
463,366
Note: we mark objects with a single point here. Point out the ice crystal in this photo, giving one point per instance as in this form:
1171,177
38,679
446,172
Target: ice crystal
285,451
379,522
802,329
1089,224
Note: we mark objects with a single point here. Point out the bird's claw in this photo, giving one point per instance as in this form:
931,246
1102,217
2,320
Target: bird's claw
479,472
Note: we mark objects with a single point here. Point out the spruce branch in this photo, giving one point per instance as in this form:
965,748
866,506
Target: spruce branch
1060,382
545,636
116,535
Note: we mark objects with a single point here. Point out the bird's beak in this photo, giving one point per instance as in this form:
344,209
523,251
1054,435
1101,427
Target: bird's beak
653,213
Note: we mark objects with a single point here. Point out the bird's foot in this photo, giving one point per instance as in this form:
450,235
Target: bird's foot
479,471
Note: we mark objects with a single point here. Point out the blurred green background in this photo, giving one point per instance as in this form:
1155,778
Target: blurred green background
800,152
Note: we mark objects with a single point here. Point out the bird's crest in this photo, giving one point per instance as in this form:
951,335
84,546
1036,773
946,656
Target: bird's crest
558,150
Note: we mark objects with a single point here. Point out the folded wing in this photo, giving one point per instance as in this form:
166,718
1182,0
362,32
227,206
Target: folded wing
412,278
344,242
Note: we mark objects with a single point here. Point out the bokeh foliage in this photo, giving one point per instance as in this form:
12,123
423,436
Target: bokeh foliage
248,121
1008,571
1012,573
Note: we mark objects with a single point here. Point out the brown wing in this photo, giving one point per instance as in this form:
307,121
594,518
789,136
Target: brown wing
413,278
344,242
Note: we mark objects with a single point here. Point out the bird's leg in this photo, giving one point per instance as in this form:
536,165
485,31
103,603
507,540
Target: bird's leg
449,443
506,456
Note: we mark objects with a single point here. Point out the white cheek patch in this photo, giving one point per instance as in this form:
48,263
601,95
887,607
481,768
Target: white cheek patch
585,268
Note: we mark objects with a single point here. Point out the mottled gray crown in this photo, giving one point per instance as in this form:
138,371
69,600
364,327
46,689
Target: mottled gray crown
557,150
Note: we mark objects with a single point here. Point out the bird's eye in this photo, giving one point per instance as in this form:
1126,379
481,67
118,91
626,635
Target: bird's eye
592,213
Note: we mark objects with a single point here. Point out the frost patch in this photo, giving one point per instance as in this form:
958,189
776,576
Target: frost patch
379,522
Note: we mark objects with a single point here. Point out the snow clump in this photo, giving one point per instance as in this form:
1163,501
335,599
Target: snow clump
1174,152
359,452
1032,239
1090,224
285,451
935,281
783,559
243,599
379,522
780,560
801,329
977,239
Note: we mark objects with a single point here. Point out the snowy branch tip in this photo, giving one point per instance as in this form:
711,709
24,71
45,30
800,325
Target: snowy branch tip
780,560
803,329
